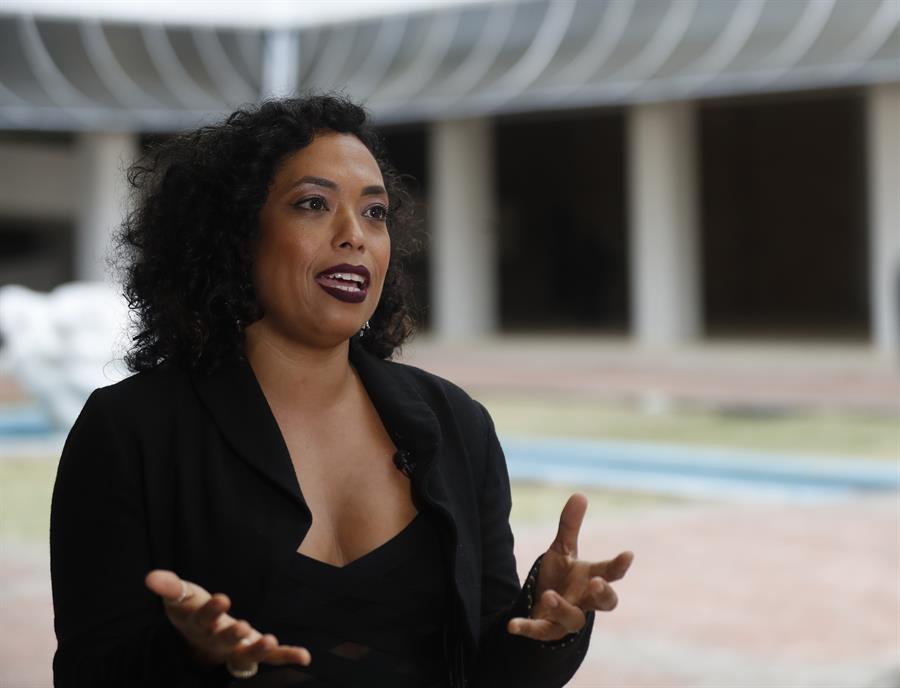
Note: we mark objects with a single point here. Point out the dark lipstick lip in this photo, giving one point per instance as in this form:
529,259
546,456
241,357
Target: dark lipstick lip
345,267
348,296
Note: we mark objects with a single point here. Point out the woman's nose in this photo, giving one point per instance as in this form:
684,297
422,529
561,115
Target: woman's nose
349,231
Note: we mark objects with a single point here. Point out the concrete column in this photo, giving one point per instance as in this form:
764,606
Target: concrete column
464,266
884,215
664,232
102,159
281,66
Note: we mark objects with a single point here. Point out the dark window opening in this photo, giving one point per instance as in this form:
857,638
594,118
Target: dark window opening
562,222
36,254
784,216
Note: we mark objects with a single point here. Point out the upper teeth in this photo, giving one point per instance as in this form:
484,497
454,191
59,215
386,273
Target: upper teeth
348,276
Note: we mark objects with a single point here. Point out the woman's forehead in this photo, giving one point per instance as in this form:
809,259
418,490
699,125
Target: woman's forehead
332,155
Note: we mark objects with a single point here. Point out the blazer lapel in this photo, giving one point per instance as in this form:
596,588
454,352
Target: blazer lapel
414,426
239,408
409,420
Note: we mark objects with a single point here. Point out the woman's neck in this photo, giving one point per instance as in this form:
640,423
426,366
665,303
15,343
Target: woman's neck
284,367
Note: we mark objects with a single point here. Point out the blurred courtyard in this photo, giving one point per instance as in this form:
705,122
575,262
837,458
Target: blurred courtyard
722,593
661,234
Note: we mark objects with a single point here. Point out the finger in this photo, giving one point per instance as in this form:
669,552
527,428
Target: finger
289,654
252,650
536,629
233,633
240,659
178,595
570,520
166,584
613,569
562,612
600,596
206,617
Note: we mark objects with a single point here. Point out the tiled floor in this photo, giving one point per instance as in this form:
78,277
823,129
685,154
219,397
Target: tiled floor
720,596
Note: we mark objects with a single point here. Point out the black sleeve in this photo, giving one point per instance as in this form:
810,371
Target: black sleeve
111,630
505,659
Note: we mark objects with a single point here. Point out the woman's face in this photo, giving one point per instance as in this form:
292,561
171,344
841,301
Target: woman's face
323,247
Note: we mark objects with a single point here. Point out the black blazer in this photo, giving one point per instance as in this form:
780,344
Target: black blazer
169,469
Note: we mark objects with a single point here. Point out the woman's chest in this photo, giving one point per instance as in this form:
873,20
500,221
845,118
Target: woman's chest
357,497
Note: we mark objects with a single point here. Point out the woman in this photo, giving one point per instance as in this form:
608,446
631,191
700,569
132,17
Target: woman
270,500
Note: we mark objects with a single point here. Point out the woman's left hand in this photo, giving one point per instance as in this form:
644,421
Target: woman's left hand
567,587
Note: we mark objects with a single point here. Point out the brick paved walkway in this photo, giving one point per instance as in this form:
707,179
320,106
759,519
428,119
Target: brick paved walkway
807,376
725,596
811,375
720,596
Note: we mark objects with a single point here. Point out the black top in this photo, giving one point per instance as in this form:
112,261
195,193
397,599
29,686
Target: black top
377,621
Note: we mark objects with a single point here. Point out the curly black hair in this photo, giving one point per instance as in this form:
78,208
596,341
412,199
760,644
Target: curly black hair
184,252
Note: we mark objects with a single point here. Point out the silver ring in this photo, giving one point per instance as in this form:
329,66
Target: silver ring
242,673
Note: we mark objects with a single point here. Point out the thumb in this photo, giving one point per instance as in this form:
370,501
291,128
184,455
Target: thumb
167,585
570,521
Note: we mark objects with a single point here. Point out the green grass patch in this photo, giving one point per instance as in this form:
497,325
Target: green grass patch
542,503
26,486
809,433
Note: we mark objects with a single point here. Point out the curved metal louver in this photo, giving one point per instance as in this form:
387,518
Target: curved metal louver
457,61
86,75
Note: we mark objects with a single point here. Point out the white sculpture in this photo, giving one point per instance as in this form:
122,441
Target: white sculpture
62,345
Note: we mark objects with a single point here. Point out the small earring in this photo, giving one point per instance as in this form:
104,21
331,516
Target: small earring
364,329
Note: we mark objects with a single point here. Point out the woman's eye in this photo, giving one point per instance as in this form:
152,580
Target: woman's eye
378,212
314,203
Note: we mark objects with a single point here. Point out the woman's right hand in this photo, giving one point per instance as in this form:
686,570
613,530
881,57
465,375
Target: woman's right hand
214,636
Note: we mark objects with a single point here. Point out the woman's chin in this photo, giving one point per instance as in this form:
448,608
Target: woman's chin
322,335
337,334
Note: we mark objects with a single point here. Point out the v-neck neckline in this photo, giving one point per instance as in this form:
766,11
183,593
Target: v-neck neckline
370,559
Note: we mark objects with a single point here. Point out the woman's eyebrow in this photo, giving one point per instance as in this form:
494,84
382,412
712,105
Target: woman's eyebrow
372,190
317,181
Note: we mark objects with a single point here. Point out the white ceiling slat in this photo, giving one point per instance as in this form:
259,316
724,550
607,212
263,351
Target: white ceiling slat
249,48
175,77
9,97
647,62
617,86
796,44
600,46
537,57
331,63
544,54
215,60
724,49
16,111
869,41
484,52
111,74
373,71
52,80
407,85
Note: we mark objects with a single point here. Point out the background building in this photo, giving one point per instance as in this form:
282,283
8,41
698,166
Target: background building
671,180
665,170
